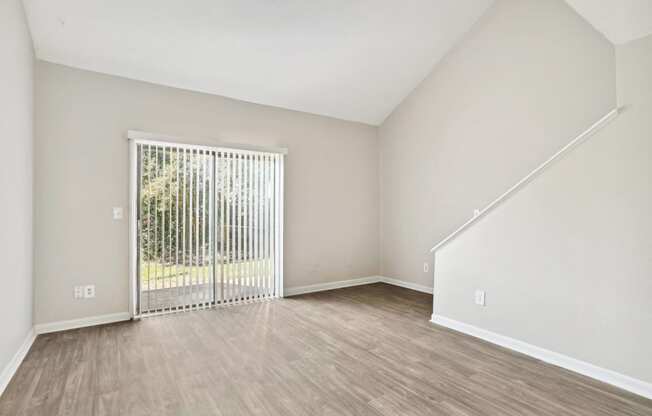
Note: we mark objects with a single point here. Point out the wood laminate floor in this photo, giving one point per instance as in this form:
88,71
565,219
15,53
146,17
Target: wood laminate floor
368,350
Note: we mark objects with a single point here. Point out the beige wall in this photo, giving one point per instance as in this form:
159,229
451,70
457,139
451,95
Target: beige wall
16,116
529,76
331,219
566,263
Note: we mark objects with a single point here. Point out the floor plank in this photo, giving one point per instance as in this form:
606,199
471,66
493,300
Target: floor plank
368,350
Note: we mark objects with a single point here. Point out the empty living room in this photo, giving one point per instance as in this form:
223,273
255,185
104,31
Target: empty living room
326,207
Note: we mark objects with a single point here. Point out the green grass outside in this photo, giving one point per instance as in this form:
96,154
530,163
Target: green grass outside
154,275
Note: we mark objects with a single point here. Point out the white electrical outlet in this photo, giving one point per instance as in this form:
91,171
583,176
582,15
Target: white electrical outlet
78,292
117,213
89,291
426,267
480,297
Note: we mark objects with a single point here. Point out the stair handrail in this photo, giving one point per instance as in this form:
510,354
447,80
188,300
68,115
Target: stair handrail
512,190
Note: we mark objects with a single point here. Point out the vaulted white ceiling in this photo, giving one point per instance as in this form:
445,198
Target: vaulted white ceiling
350,59
620,21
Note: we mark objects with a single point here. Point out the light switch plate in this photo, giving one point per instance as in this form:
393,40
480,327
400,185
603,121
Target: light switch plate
426,267
117,213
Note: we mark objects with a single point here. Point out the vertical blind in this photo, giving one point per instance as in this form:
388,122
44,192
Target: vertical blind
209,226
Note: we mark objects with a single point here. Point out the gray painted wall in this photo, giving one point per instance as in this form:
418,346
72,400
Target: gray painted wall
529,77
16,119
331,188
566,263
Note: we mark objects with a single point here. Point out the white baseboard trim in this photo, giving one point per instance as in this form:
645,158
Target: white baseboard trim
622,381
407,285
320,287
300,290
289,291
81,323
11,367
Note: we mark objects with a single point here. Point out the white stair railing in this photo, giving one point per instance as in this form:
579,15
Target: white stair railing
520,184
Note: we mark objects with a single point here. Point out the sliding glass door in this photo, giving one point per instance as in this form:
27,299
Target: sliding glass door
209,226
